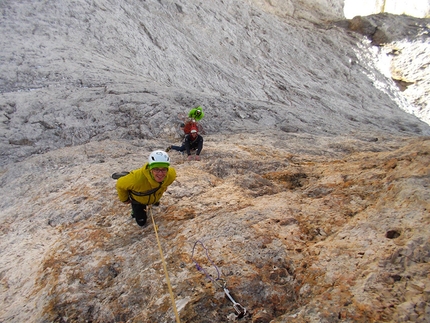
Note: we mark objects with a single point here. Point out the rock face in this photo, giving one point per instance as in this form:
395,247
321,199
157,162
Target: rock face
415,8
311,198
406,42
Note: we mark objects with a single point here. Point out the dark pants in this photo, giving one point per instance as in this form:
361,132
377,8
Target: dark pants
139,212
178,148
195,146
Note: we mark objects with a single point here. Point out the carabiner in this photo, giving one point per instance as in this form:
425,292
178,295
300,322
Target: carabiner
240,310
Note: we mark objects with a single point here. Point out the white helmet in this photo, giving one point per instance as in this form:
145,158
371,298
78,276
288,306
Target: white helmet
158,158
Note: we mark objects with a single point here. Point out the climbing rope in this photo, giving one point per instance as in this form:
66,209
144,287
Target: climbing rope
201,269
172,298
240,310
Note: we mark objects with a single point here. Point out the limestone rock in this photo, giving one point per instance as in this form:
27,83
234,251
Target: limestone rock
311,197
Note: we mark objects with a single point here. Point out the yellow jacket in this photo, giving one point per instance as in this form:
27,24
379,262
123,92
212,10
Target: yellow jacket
140,182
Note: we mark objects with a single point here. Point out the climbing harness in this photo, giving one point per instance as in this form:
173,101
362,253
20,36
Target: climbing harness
136,193
240,310
146,193
172,298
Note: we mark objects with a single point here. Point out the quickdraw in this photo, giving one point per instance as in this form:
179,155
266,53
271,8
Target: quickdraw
239,309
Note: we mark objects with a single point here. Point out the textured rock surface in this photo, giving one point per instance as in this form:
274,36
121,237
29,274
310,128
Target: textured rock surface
415,8
405,43
302,229
312,194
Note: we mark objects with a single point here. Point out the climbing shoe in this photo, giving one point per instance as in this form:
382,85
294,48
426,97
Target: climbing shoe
119,175
141,217
141,222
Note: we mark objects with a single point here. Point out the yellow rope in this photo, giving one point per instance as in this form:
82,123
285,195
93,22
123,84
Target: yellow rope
172,298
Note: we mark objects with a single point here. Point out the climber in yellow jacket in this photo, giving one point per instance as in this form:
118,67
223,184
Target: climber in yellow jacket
146,185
